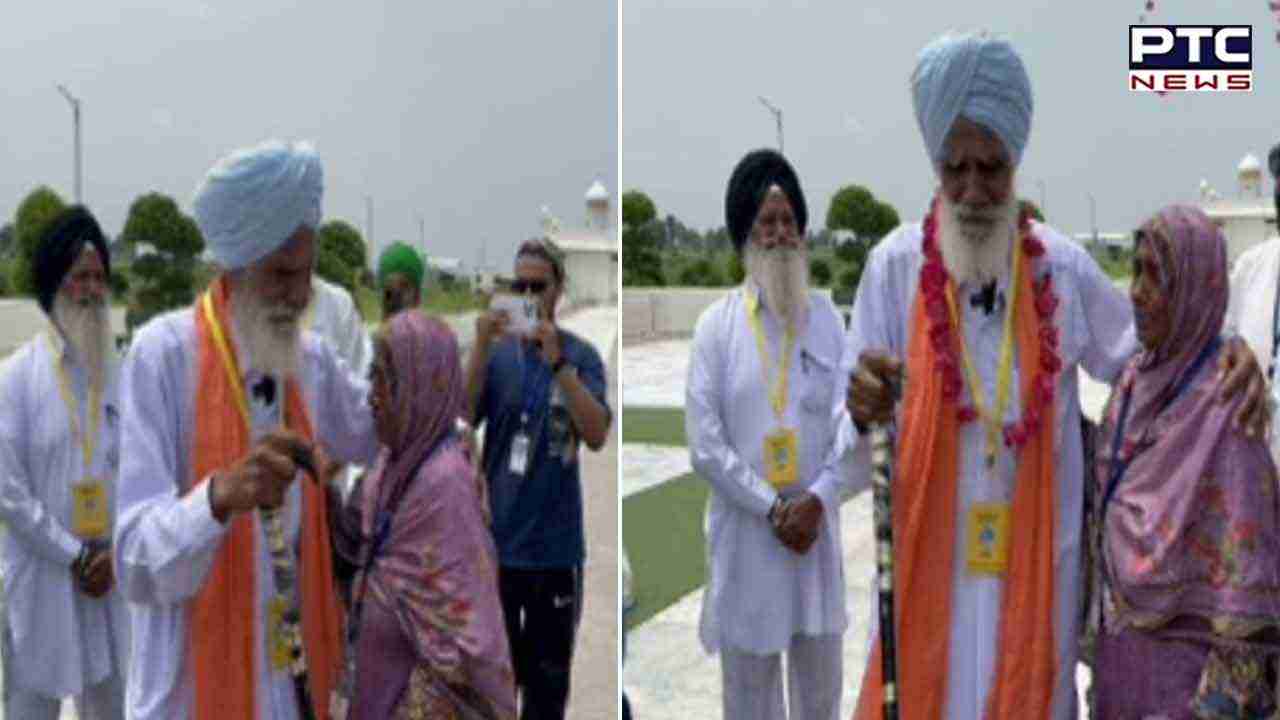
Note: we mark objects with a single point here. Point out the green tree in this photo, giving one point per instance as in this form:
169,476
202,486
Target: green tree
8,241
849,251
846,286
884,220
641,261
342,256
820,271
35,212
737,271
165,243
856,209
702,273
637,208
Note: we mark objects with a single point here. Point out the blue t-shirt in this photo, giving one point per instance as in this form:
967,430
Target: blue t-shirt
537,517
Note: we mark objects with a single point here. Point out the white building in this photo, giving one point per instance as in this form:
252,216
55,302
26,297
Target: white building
1248,218
591,254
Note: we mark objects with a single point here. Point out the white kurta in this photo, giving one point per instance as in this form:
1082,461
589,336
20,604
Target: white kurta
759,593
1251,312
333,316
167,538
63,640
1095,322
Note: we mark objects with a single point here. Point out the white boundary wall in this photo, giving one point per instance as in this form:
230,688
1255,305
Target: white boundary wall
654,313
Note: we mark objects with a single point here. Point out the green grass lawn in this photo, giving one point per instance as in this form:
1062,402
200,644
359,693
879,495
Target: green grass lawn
662,526
662,532
654,426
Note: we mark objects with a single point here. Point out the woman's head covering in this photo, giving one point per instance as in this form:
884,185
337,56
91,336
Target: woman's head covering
428,373
400,258
1191,257
1192,529
975,76
252,201
60,246
748,185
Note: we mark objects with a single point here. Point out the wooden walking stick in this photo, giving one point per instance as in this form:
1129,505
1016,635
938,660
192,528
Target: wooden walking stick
882,456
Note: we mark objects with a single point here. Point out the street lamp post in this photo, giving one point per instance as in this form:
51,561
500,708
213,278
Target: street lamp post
777,116
75,114
1093,218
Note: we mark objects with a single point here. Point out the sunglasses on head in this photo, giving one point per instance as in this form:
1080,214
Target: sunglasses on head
534,286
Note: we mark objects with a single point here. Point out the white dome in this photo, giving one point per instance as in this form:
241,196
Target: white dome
1249,164
597,192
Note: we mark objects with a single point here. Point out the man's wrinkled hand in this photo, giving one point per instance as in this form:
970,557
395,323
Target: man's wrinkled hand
261,478
1238,371
873,388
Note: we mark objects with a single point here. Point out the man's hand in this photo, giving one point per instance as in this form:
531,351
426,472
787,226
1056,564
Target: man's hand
490,325
797,521
873,388
96,576
1238,370
548,340
261,478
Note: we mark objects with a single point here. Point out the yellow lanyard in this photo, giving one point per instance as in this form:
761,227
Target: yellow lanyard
993,418
228,361
778,393
88,440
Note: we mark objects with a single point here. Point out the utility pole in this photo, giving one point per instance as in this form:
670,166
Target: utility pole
75,115
777,116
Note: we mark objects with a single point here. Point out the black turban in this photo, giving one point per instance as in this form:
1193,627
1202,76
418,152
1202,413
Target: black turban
751,180
60,247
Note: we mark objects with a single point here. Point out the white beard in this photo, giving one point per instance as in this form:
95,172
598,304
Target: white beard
87,328
976,243
271,334
782,274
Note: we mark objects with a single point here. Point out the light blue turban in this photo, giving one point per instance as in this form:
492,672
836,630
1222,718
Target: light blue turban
254,199
975,76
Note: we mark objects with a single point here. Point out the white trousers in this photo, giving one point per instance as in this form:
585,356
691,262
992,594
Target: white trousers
753,683
104,701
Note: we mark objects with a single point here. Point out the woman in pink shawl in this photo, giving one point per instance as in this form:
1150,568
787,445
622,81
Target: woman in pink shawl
425,628
1185,519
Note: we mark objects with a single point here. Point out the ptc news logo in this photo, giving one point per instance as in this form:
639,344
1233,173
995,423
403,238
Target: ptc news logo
1190,58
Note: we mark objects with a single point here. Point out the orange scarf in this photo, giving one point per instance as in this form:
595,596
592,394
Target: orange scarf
223,620
924,517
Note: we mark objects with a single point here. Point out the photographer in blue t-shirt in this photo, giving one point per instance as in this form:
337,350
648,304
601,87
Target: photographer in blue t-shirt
539,395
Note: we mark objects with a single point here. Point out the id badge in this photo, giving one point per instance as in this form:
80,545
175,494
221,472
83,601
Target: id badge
780,450
988,539
89,510
519,453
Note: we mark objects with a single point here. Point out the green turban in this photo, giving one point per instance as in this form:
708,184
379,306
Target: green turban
400,258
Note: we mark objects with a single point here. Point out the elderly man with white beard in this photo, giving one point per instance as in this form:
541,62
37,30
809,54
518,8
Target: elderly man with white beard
223,546
990,315
763,406
65,628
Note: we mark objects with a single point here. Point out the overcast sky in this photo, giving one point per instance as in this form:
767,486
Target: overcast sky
473,115
840,72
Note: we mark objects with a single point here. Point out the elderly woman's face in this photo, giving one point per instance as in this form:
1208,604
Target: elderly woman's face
1152,311
383,389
